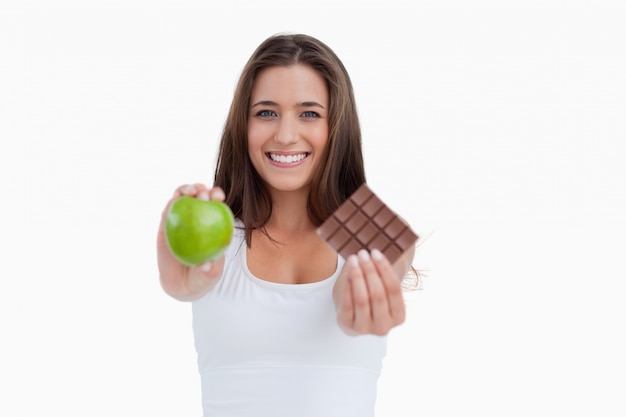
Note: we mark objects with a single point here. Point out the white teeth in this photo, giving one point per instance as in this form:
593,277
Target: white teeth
287,159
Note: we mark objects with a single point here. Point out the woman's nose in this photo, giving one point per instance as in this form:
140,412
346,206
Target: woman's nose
286,132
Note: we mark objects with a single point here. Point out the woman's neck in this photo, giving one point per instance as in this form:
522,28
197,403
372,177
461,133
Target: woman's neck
289,212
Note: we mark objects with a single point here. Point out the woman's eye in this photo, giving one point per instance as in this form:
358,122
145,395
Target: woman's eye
266,113
310,114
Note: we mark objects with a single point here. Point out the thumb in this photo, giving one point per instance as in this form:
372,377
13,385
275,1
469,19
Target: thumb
205,267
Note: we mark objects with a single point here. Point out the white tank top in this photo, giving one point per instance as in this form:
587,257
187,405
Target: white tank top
275,350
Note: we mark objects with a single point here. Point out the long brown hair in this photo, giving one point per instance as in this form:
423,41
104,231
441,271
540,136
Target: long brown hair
335,180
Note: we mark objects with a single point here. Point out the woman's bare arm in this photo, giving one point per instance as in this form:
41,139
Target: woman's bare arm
177,280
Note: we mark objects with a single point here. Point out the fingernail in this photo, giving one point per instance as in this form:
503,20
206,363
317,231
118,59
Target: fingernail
218,194
353,260
203,196
377,255
188,189
364,255
206,267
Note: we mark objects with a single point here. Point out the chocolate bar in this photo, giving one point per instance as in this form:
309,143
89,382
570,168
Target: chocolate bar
363,221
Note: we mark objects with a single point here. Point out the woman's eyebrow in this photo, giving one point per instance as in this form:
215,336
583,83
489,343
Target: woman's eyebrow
310,104
265,103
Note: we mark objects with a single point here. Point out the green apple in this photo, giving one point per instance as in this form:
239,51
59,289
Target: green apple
197,230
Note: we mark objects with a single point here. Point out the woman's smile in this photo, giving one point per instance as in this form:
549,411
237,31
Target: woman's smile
287,159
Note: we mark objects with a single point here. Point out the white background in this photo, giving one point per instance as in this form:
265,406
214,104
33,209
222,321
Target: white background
496,128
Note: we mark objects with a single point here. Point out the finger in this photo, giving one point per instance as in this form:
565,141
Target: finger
392,286
346,306
190,189
203,195
360,297
217,194
207,270
381,315
199,188
206,267
185,189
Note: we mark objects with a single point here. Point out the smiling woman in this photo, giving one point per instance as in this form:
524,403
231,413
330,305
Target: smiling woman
333,182
265,317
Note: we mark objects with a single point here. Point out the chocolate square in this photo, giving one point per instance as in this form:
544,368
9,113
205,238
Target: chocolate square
363,221
367,233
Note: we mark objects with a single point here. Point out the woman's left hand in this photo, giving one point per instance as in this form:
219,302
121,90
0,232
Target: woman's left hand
368,295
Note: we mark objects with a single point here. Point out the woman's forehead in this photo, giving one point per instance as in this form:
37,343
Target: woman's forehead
295,84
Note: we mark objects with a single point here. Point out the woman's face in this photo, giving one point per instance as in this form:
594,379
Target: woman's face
288,126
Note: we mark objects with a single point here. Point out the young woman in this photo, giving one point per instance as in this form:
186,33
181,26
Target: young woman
284,326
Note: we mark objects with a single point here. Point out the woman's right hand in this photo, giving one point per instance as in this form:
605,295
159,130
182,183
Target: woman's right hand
178,280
